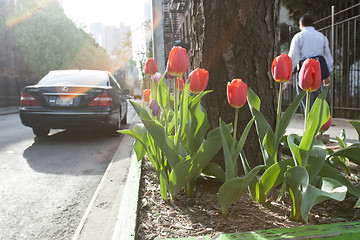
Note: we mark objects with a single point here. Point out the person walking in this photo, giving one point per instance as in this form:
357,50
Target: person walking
310,43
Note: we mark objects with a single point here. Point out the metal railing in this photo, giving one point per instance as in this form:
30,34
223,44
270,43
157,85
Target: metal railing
342,28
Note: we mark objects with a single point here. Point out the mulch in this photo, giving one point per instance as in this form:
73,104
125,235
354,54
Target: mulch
200,214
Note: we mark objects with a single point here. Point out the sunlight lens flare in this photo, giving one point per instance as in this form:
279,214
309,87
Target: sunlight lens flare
22,13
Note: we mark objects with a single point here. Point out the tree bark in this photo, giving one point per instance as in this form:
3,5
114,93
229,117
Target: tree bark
237,39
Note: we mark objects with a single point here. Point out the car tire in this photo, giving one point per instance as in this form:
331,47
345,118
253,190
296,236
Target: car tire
112,130
41,132
124,121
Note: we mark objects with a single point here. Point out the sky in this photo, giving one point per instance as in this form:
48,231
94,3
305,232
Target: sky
108,12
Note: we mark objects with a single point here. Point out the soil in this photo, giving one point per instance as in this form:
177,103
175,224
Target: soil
201,215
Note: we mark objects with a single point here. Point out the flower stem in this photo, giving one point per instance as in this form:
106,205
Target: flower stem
279,106
278,118
235,129
307,108
175,107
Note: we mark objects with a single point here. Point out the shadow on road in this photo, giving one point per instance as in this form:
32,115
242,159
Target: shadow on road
72,153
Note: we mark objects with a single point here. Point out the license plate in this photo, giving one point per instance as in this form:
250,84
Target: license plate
64,101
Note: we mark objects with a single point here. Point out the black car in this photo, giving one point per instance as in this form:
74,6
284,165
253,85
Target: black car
74,99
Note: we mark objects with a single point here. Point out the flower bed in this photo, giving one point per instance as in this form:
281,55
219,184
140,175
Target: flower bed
201,214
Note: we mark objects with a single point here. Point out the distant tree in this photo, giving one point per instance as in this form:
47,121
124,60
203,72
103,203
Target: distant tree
297,8
49,40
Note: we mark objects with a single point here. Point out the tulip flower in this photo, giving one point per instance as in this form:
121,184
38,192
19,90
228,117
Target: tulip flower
281,68
146,95
237,93
198,80
154,106
150,67
178,62
326,125
156,77
180,84
310,75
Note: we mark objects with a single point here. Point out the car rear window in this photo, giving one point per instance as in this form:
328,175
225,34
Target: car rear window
82,78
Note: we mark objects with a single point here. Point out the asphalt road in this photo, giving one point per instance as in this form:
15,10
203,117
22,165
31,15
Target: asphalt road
46,184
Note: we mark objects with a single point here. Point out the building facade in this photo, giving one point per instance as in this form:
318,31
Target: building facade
14,73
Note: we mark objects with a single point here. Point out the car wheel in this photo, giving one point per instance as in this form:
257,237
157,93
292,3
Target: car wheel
124,121
41,132
112,130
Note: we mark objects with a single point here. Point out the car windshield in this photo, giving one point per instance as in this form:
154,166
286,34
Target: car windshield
82,78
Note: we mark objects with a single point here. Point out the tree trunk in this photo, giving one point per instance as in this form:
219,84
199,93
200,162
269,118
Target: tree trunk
237,39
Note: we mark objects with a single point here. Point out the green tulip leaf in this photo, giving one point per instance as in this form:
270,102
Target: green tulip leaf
288,115
159,135
297,180
139,150
330,189
231,167
356,125
178,177
195,100
352,153
243,138
196,128
163,94
234,188
213,169
229,192
253,99
263,128
163,179
140,134
317,117
316,160
330,172
274,175
205,154
184,112
268,145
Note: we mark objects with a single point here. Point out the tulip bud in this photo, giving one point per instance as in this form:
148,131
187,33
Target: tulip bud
198,80
156,77
178,61
326,125
237,93
146,95
154,107
281,68
150,67
310,75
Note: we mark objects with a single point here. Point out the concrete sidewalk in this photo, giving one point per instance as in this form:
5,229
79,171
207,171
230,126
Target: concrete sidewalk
297,126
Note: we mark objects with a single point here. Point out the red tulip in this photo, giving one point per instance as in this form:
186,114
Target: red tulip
180,83
178,62
281,68
237,93
146,95
310,75
198,80
326,125
150,67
